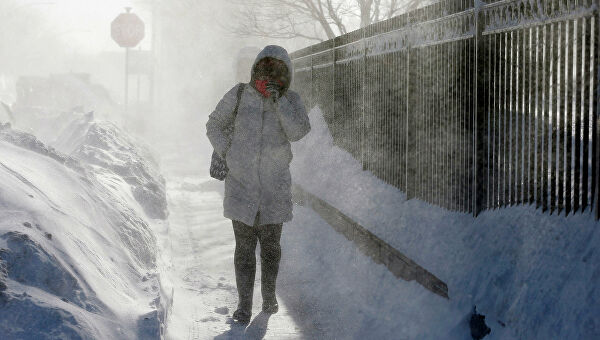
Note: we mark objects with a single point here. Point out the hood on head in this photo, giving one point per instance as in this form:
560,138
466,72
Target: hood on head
275,52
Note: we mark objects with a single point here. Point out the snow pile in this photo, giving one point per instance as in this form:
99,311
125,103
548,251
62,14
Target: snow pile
31,142
106,146
78,256
534,275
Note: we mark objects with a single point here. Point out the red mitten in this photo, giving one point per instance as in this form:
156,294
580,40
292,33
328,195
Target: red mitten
261,86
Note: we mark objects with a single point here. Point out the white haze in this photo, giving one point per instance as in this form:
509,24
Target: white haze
195,59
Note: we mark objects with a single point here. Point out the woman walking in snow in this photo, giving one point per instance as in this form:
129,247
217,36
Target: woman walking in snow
258,185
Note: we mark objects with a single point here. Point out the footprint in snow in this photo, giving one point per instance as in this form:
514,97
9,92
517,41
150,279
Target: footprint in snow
222,310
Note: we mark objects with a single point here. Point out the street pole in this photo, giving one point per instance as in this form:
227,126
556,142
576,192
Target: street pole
127,30
126,78
138,80
152,77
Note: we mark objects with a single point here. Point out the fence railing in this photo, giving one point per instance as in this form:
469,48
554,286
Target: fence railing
469,105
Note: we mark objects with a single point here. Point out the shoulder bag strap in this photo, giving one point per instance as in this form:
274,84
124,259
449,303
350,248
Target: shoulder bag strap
239,96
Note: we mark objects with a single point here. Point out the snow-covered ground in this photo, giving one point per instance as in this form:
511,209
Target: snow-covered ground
79,258
534,275
85,252
205,295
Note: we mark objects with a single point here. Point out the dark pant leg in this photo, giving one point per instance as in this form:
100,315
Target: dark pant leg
270,254
245,263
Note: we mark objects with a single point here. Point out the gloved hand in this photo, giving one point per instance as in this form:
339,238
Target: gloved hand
275,89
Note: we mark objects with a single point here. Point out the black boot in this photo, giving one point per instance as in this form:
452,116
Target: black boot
241,316
270,306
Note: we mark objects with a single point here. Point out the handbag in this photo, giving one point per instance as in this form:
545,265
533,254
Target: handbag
218,165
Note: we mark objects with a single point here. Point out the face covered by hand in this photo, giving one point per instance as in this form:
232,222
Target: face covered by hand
270,76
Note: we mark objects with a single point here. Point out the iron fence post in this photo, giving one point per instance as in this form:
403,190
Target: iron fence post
480,97
596,113
362,108
410,116
333,77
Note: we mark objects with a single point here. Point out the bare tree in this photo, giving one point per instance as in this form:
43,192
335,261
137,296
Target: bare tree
313,19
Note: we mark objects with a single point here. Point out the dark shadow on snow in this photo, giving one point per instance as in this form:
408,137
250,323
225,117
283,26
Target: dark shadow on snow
255,330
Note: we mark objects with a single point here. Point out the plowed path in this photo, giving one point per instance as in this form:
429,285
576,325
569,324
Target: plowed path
202,245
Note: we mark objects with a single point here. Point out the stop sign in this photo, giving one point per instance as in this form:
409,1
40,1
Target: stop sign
127,29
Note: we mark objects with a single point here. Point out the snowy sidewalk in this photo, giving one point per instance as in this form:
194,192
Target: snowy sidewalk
202,274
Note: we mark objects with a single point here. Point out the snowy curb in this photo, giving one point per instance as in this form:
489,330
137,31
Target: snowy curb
369,244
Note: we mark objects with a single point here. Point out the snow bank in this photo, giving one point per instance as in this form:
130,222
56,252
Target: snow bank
534,275
78,256
103,144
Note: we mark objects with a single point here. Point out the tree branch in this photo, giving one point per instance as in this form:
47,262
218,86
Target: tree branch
376,11
333,14
291,18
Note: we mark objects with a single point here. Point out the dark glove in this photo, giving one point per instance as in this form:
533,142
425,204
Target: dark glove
275,89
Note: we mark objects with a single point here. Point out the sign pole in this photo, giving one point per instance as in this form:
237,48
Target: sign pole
138,81
126,78
127,30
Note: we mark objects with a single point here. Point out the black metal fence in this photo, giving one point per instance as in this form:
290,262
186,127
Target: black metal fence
469,105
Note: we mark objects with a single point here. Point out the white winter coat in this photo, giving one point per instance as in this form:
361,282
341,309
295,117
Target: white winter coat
259,153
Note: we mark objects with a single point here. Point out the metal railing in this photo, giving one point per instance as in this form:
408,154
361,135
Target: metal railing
469,105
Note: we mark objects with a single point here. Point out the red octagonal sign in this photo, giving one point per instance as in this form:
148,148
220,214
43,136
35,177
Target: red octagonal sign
127,30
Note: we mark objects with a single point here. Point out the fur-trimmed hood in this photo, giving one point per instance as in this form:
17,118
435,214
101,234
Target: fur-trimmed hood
279,53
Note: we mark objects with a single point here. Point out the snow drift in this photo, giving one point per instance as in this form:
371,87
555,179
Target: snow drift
534,275
78,255
106,146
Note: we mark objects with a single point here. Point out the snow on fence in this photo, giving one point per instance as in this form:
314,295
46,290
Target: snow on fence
469,105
